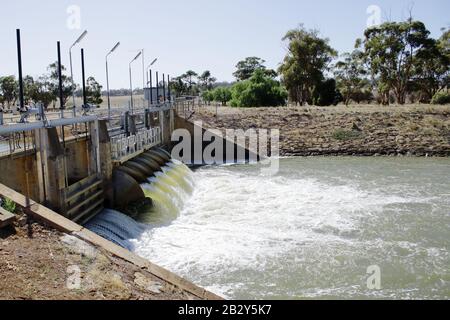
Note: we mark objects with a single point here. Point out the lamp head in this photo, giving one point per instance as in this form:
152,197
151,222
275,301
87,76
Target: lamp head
138,55
82,36
115,47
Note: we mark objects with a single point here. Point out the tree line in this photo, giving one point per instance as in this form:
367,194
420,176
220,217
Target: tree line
256,86
45,89
395,62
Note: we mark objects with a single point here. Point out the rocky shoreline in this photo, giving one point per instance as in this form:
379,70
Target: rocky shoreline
341,131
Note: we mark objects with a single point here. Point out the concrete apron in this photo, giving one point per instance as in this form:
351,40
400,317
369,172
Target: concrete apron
62,224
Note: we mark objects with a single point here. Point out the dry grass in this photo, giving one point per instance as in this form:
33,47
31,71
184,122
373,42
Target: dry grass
116,102
356,130
352,109
34,265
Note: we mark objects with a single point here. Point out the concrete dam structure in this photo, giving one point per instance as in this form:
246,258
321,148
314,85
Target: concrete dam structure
93,170
103,179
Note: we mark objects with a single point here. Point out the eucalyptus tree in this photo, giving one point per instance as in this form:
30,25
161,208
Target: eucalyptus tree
9,90
68,87
247,67
206,80
178,86
431,73
42,92
308,58
189,77
391,50
350,74
93,91
222,94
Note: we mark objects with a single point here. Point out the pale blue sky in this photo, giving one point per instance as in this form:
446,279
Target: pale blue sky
195,34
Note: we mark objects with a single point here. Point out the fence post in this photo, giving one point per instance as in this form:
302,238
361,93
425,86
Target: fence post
147,119
126,123
161,124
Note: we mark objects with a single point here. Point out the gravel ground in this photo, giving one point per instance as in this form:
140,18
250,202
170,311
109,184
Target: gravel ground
39,263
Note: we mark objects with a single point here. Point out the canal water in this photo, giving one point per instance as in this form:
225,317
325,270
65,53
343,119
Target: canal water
312,231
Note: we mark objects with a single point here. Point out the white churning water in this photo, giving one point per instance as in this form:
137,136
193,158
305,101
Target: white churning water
169,190
309,232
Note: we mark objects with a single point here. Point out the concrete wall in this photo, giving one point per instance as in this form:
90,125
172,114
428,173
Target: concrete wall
55,166
77,161
15,171
228,146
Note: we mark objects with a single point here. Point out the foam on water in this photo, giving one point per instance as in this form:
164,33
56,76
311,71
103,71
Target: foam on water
168,189
311,231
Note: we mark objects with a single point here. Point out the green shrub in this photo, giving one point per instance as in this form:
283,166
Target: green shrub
345,135
208,96
222,94
326,94
261,90
441,98
8,205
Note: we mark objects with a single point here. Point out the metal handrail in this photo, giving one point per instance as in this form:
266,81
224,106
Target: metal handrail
20,127
123,147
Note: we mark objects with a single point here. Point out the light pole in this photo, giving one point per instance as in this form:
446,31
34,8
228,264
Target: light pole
143,69
71,68
149,81
149,66
107,78
131,81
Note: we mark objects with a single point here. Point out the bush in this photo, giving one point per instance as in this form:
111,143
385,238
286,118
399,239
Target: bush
260,90
441,98
222,94
362,95
344,135
8,205
326,94
208,96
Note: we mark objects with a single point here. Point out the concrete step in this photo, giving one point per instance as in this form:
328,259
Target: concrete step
6,218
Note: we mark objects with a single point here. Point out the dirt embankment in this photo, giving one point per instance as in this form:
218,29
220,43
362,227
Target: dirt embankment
363,131
37,262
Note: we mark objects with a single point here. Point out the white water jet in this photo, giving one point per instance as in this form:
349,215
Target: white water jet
168,189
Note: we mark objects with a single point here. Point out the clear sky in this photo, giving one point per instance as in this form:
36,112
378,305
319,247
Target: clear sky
185,34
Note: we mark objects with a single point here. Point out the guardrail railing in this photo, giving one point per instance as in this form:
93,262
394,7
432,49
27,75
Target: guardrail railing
124,148
8,117
12,131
